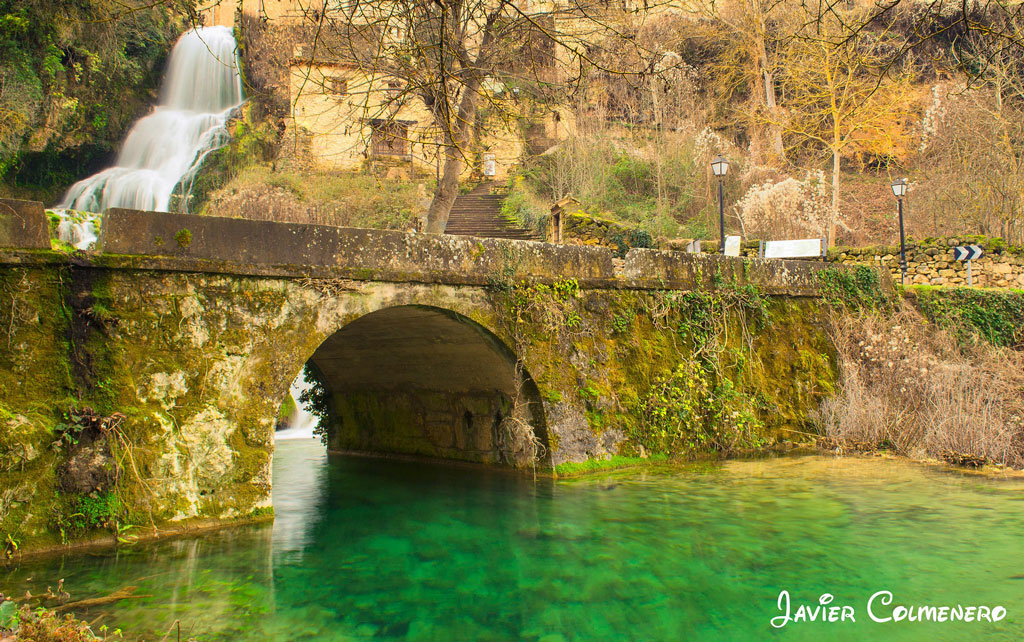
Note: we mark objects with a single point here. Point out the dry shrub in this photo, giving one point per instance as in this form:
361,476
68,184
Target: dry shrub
788,208
910,387
342,199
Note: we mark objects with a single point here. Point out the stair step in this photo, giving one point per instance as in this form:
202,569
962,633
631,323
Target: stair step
478,213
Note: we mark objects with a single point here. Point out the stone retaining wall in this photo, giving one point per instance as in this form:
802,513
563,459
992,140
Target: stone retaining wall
581,229
931,262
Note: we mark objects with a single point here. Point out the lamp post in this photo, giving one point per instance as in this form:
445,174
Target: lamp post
899,188
720,167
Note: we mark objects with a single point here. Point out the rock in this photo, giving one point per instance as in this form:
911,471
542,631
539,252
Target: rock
89,466
576,441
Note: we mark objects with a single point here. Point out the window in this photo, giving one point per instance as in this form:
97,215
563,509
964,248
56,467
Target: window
337,86
389,138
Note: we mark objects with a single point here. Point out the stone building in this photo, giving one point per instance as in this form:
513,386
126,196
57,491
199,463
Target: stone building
353,119
350,116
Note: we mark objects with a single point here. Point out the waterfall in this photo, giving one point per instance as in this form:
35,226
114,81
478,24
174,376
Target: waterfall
302,422
201,89
78,229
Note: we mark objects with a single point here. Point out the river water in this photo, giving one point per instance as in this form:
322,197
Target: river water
374,549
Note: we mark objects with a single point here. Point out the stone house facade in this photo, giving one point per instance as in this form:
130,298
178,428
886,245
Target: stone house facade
355,119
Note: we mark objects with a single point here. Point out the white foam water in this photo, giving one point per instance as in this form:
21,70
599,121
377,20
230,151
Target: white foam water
78,229
302,422
201,89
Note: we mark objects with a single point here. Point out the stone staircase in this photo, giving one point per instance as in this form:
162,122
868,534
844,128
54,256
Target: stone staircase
478,213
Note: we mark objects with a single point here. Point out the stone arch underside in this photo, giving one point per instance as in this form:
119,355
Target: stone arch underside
426,381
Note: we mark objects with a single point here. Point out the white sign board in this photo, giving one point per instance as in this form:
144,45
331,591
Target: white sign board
792,249
732,246
489,166
693,247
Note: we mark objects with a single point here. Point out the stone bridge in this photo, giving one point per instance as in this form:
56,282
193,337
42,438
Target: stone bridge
153,369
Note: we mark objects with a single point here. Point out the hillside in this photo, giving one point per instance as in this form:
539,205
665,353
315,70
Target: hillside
816,119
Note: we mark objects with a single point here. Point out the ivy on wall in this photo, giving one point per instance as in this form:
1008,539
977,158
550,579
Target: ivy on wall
996,316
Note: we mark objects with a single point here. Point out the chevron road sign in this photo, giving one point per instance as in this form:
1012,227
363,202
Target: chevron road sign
967,252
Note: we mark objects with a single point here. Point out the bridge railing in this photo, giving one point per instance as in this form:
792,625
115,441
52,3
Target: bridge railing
183,242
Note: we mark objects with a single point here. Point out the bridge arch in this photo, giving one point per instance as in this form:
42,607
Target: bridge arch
425,381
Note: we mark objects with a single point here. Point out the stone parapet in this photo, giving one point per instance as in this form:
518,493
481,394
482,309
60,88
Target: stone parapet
240,246
163,241
23,225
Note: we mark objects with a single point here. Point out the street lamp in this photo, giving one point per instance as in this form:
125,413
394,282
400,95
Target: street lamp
899,188
720,167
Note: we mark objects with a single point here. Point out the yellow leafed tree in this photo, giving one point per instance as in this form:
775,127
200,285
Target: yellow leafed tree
841,101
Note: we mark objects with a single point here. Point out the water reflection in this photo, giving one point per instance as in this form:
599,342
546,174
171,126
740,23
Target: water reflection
300,489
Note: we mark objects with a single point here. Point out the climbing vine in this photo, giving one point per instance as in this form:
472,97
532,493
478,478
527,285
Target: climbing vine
973,314
552,307
697,405
859,288
687,410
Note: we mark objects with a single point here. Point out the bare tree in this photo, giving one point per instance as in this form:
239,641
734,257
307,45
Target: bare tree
919,24
757,28
457,57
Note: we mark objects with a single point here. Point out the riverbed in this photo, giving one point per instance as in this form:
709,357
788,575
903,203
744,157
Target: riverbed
367,549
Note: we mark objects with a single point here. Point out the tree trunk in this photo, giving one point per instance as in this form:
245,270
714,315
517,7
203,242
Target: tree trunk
764,88
775,128
457,135
834,214
456,141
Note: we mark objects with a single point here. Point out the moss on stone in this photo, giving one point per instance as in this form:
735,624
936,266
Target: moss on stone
199,364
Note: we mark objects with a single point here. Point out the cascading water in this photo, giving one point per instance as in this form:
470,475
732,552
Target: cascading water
302,422
164,149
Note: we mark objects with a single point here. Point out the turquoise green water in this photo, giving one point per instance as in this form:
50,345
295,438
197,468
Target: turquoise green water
369,549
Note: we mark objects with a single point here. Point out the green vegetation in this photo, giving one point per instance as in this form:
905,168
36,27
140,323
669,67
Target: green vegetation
523,208
37,619
623,321
857,288
317,399
571,469
287,409
265,192
996,316
43,625
90,512
649,183
633,238
686,411
550,305
674,372
253,142
696,406
184,238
